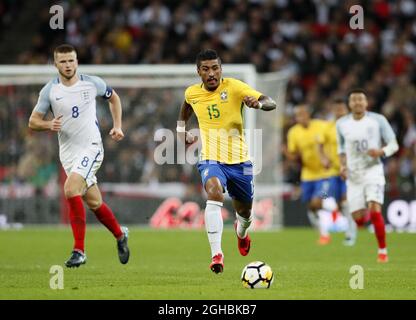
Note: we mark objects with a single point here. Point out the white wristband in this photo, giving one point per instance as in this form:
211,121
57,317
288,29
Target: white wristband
180,129
260,105
391,148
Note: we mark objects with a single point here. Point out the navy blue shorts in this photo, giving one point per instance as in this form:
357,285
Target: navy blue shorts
237,179
315,189
337,188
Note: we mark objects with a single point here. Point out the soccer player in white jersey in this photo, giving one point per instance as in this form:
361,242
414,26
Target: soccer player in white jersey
363,139
71,99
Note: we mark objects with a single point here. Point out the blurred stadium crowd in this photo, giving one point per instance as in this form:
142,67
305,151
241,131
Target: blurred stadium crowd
311,37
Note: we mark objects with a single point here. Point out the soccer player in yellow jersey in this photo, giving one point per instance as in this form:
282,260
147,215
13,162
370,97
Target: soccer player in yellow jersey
338,187
224,162
305,140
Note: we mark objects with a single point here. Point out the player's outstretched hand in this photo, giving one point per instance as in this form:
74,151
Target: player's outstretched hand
375,153
326,163
56,124
251,102
116,134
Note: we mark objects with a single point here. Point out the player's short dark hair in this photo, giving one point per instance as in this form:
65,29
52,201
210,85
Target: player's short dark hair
64,48
208,54
357,90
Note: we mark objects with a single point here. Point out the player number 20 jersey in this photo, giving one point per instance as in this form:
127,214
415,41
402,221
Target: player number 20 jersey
356,137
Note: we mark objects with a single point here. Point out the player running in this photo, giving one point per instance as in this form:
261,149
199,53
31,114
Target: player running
360,136
305,142
224,161
71,99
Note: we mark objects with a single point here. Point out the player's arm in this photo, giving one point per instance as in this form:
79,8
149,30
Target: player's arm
290,150
341,152
326,163
389,137
184,115
321,140
115,108
291,156
37,119
108,93
37,122
263,102
343,166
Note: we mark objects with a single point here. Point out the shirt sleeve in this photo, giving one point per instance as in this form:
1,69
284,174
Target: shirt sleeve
103,90
245,90
291,142
43,104
387,132
340,139
187,96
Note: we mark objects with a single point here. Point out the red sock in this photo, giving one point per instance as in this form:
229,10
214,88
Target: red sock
107,218
334,215
378,222
77,219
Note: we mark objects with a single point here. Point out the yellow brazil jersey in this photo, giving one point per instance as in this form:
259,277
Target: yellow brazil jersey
220,118
331,147
305,142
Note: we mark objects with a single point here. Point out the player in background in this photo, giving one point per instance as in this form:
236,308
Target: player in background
71,99
224,162
305,140
361,136
338,188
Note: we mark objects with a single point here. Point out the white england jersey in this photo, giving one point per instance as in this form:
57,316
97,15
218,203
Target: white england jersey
356,137
77,105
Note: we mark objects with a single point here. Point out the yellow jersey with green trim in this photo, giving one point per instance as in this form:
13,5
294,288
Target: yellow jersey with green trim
305,142
220,118
331,148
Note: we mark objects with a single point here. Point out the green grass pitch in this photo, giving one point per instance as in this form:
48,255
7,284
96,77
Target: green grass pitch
174,265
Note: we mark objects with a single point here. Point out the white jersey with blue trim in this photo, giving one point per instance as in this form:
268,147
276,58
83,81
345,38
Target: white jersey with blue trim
77,106
356,137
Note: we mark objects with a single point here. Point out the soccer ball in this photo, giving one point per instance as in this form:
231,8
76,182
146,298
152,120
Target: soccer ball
257,275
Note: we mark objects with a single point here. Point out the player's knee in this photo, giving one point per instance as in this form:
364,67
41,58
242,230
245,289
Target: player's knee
374,206
315,204
358,214
71,190
215,193
94,204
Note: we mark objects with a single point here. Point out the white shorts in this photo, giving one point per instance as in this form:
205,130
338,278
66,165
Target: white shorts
86,163
358,195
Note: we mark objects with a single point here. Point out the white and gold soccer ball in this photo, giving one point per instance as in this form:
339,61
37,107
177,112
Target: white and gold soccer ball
257,275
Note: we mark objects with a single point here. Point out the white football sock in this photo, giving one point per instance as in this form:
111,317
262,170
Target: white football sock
214,225
313,219
323,225
382,251
329,204
242,225
352,226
